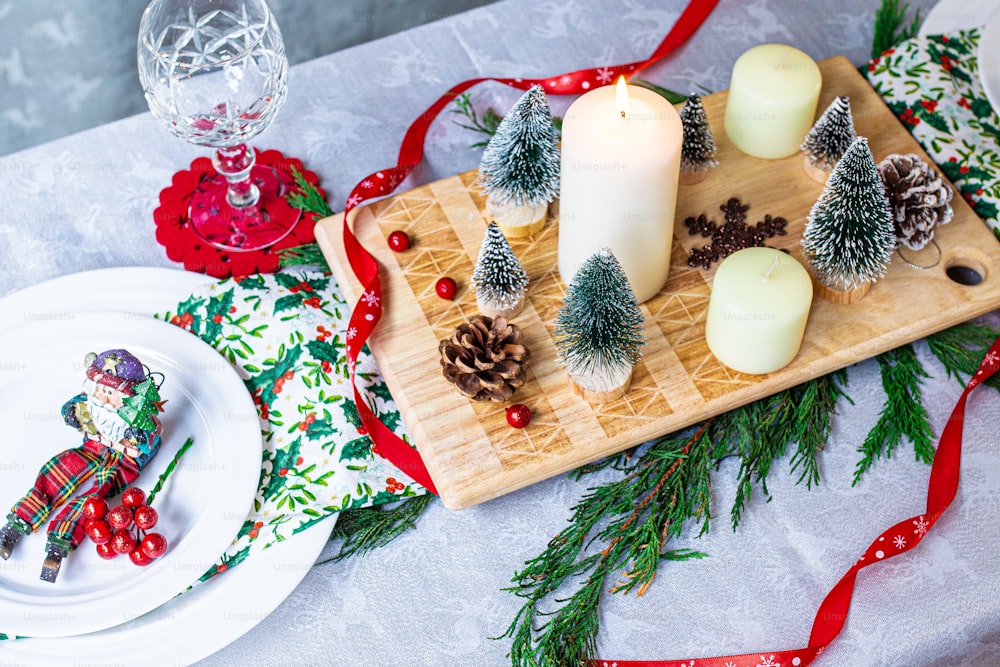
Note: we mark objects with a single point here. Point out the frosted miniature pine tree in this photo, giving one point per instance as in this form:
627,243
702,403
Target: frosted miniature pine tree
698,149
848,239
831,135
499,279
519,170
599,328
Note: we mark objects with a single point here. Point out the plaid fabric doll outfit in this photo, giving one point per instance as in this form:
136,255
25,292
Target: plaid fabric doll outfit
62,475
111,456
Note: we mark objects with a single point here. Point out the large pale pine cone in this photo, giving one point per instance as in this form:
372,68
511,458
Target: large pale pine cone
484,358
919,198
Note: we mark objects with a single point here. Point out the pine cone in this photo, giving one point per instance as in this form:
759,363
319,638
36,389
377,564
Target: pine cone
918,199
484,358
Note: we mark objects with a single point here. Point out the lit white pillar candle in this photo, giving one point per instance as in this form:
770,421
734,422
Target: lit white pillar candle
758,310
772,100
620,159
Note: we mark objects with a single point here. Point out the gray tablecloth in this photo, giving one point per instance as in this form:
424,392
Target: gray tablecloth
434,596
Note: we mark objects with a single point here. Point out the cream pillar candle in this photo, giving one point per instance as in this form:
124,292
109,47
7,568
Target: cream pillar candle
618,183
772,100
758,309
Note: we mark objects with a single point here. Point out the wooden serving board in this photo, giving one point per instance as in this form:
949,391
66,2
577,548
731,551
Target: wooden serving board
471,452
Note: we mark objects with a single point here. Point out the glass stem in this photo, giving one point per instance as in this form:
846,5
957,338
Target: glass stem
235,163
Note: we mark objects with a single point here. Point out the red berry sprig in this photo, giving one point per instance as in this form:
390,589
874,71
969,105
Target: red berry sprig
124,528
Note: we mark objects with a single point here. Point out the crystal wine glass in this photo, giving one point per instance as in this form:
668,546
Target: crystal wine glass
214,72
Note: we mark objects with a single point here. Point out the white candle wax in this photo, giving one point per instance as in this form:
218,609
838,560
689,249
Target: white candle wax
758,310
772,100
618,186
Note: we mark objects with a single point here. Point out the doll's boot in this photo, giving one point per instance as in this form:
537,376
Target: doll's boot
9,536
54,558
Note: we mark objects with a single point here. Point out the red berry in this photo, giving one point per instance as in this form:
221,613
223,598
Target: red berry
105,551
518,416
446,288
153,545
399,241
95,508
133,497
120,516
122,541
98,531
145,517
138,557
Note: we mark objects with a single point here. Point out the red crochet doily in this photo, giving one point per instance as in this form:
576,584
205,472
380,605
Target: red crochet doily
175,233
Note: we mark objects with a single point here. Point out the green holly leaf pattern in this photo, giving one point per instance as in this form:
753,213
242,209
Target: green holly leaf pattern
284,334
359,448
945,109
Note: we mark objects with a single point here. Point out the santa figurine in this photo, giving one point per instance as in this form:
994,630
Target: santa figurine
116,413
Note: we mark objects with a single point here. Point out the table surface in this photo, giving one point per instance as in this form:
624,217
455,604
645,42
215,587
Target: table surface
434,596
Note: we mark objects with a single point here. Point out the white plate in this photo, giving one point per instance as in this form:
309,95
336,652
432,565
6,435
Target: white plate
951,15
215,613
201,507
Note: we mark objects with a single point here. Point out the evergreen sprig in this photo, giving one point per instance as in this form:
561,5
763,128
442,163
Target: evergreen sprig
307,197
365,529
487,125
307,254
633,518
891,27
665,93
626,524
760,432
960,349
903,414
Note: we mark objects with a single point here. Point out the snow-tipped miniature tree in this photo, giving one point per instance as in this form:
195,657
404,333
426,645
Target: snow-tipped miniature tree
829,137
848,238
599,329
519,169
698,149
499,279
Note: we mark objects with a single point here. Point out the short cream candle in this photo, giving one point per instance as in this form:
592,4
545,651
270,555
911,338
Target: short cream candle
772,100
758,310
618,183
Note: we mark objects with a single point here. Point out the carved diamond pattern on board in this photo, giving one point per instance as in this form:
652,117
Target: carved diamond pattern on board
643,401
539,440
544,436
709,375
547,293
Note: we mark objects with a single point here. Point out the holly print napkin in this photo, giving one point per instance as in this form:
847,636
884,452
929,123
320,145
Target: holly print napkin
282,334
932,84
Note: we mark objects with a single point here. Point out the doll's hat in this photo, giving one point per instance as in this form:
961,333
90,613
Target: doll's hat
115,368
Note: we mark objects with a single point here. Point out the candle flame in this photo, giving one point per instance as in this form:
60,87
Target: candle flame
621,97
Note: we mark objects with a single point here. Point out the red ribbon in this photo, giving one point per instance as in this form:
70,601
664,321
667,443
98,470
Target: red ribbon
368,311
898,539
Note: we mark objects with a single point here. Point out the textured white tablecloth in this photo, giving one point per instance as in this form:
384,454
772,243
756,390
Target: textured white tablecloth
434,596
